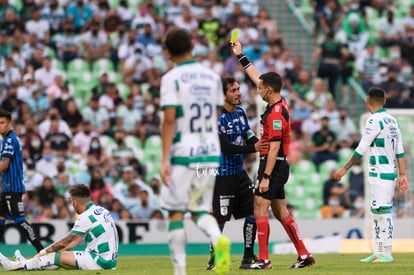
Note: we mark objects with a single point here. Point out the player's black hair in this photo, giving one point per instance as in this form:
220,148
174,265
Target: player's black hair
178,41
273,80
226,81
376,94
6,114
79,191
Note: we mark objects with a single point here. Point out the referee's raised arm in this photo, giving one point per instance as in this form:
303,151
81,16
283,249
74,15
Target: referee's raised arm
248,67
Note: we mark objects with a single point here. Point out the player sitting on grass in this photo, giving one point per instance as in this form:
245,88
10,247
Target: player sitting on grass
94,225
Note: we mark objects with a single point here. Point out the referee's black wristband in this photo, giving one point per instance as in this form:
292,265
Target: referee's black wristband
244,61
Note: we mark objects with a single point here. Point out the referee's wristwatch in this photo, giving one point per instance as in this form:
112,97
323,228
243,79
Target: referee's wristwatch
267,176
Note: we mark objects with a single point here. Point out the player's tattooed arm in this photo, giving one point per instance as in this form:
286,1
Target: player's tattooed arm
69,241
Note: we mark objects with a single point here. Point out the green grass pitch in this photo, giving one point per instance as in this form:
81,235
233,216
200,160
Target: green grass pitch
326,264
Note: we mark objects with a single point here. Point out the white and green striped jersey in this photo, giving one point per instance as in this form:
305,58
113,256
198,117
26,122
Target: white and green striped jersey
195,92
382,137
98,228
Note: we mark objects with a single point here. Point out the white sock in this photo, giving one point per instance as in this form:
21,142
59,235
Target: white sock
15,265
176,242
41,262
378,236
388,231
209,226
180,271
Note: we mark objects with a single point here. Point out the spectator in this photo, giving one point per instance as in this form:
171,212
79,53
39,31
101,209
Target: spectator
98,116
100,88
120,154
223,9
329,55
266,26
32,140
147,37
331,17
390,30
330,111
29,46
11,22
333,190
38,26
356,182
150,123
333,209
95,43
72,116
345,130
136,68
209,25
127,48
142,17
128,118
144,210
11,103
98,187
354,33
248,34
25,91
397,93
232,20
46,75
84,136
59,141
95,155
67,44
318,96
54,90
138,168
125,12
64,180
310,126
186,20
54,15
115,209
11,72
53,114
324,144
367,65
46,193
76,165
79,14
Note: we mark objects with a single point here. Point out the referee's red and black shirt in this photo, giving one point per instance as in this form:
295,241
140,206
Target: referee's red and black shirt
275,126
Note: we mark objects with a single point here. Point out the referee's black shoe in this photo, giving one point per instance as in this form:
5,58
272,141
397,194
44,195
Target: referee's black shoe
303,262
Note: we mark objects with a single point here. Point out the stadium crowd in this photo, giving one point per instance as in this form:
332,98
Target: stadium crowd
82,80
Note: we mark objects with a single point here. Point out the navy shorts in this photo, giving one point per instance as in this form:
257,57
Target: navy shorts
233,196
11,205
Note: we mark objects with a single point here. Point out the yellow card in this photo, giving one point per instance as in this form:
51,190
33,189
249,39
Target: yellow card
234,35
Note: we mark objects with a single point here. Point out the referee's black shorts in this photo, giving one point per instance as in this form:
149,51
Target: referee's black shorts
279,177
233,195
11,205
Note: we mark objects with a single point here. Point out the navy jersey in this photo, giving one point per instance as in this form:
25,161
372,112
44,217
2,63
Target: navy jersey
235,126
12,178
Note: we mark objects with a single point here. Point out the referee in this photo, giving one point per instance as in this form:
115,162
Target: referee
233,191
273,170
11,168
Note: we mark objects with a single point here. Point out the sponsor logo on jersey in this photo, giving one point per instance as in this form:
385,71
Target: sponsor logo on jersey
277,124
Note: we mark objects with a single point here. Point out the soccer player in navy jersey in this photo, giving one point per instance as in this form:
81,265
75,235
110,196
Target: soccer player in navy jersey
233,190
273,170
11,168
